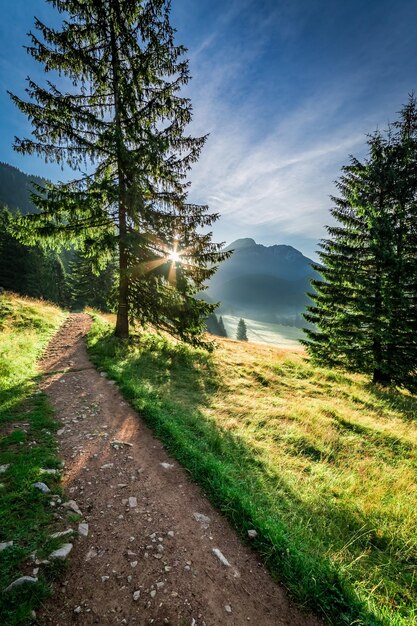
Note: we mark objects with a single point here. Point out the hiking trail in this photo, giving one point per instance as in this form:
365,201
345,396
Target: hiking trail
148,552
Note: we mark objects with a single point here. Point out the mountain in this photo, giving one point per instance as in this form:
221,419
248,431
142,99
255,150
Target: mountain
16,187
266,283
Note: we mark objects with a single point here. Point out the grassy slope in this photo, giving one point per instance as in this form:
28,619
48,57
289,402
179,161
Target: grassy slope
264,332
27,445
321,463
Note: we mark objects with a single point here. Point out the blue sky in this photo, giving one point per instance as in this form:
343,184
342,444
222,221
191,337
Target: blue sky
287,90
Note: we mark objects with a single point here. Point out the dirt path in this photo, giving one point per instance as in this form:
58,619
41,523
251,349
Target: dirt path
143,535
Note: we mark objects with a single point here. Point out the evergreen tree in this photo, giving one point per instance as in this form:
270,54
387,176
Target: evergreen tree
92,287
215,326
222,330
241,334
366,307
125,119
27,270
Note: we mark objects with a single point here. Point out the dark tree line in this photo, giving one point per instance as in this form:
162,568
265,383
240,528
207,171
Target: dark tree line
67,279
365,309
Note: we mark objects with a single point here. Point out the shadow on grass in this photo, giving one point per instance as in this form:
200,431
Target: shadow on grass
170,385
404,405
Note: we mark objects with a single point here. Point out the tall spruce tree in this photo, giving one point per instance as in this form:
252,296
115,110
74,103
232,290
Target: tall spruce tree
366,305
241,333
120,115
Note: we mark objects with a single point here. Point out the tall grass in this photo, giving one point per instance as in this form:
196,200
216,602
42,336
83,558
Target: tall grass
27,445
319,462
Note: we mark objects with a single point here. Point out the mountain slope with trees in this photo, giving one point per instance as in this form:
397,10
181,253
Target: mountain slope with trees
16,188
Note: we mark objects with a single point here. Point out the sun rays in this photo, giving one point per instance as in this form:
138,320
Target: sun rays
167,257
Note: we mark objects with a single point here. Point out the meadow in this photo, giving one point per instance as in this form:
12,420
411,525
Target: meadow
321,463
265,332
27,445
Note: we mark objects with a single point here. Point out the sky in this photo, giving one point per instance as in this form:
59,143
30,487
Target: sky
286,89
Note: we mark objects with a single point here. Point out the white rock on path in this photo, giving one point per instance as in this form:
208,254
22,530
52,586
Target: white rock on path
62,552
83,529
252,534
221,557
21,581
202,519
227,608
133,503
167,465
5,544
136,595
73,506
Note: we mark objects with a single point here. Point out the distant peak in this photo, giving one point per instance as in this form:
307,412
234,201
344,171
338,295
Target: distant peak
247,242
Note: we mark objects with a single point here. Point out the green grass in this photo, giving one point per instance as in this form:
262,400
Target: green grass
27,444
321,463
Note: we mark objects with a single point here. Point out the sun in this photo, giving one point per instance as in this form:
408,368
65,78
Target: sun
174,256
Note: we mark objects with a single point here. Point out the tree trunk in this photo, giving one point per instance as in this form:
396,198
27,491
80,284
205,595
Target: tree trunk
381,378
122,323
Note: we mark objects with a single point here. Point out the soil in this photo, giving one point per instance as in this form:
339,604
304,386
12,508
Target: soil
153,543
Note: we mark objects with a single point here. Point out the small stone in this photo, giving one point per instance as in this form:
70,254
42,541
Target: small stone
42,487
160,585
83,529
77,609
228,608
106,466
252,534
167,465
167,568
136,595
4,468
170,533
52,472
160,548
62,552
133,564
73,506
5,544
23,580
203,519
153,593
221,557
62,533
104,578
133,503
91,554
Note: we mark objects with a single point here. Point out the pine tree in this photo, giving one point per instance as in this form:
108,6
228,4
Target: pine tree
222,330
366,307
215,326
124,120
92,287
241,333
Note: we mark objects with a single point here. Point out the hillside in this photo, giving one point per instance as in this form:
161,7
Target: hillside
265,283
319,462
16,187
